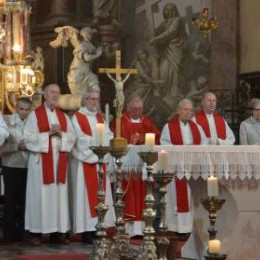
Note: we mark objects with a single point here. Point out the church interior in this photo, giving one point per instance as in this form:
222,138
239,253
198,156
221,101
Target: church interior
163,51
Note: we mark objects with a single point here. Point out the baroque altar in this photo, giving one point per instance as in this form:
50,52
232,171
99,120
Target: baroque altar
238,169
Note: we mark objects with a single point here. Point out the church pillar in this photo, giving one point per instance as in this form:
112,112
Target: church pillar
224,46
62,10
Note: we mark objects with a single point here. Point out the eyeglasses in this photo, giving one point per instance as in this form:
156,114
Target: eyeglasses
93,99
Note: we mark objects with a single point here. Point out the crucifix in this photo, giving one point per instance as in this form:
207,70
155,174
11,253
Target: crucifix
119,85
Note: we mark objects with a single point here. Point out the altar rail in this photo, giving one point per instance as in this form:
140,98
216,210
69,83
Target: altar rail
194,161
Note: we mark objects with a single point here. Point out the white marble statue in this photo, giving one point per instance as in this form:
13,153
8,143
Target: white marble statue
80,76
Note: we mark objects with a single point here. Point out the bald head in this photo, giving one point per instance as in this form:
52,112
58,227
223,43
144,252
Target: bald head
209,102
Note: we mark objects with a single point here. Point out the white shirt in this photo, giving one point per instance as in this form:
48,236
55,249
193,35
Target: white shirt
11,156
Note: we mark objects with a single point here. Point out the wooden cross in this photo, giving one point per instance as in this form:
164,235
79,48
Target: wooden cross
118,71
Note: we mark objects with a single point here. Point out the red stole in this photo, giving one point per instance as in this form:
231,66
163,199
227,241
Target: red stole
202,120
176,138
47,158
90,170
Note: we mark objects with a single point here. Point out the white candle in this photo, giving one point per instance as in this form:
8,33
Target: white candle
212,184
100,134
214,246
107,113
163,161
33,80
149,141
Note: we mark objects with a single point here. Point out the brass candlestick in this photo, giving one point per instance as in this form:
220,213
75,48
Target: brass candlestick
120,246
212,205
162,178
102,245
148,249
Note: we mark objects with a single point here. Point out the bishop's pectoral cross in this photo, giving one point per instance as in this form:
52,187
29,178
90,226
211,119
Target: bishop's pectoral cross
119,85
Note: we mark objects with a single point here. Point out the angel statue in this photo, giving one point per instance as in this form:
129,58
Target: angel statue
80,76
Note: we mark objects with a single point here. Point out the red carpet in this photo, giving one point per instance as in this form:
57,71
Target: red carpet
52,257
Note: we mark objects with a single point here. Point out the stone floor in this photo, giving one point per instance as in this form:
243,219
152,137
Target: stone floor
8,252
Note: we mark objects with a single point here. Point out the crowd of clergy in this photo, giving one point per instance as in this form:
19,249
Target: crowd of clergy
50,172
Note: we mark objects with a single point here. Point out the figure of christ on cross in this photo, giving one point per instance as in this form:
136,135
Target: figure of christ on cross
119,85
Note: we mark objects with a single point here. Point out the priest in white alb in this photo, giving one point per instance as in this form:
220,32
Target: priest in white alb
181,130
84,167
49,136
214,125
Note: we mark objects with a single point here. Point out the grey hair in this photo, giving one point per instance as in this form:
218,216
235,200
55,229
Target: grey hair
134,98
50,85
185,100
254,102
94,88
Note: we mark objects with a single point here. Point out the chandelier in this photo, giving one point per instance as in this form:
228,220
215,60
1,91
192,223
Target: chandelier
205,24
19,74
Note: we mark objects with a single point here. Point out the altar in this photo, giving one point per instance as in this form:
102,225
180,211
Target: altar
238,171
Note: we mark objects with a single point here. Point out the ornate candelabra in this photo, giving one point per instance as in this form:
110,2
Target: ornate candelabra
102,245
205,24
162,178
212,205
121,240
148,249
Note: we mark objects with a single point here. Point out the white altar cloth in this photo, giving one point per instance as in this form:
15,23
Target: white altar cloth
202,160
238,221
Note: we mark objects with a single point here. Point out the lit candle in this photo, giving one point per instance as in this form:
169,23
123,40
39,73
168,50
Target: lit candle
149,141
33,80
214,246
107,113
100,134
17,48
163,161
23,78
212,184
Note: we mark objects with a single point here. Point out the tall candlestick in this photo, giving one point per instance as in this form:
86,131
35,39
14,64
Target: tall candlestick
214,246
163,161
100,134
149,141
107,113
212,184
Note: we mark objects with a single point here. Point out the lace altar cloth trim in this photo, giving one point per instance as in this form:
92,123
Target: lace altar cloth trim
193,161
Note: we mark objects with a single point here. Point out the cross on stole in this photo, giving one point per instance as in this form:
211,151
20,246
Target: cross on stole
118,70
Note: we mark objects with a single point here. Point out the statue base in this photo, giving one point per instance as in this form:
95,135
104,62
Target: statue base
118,142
